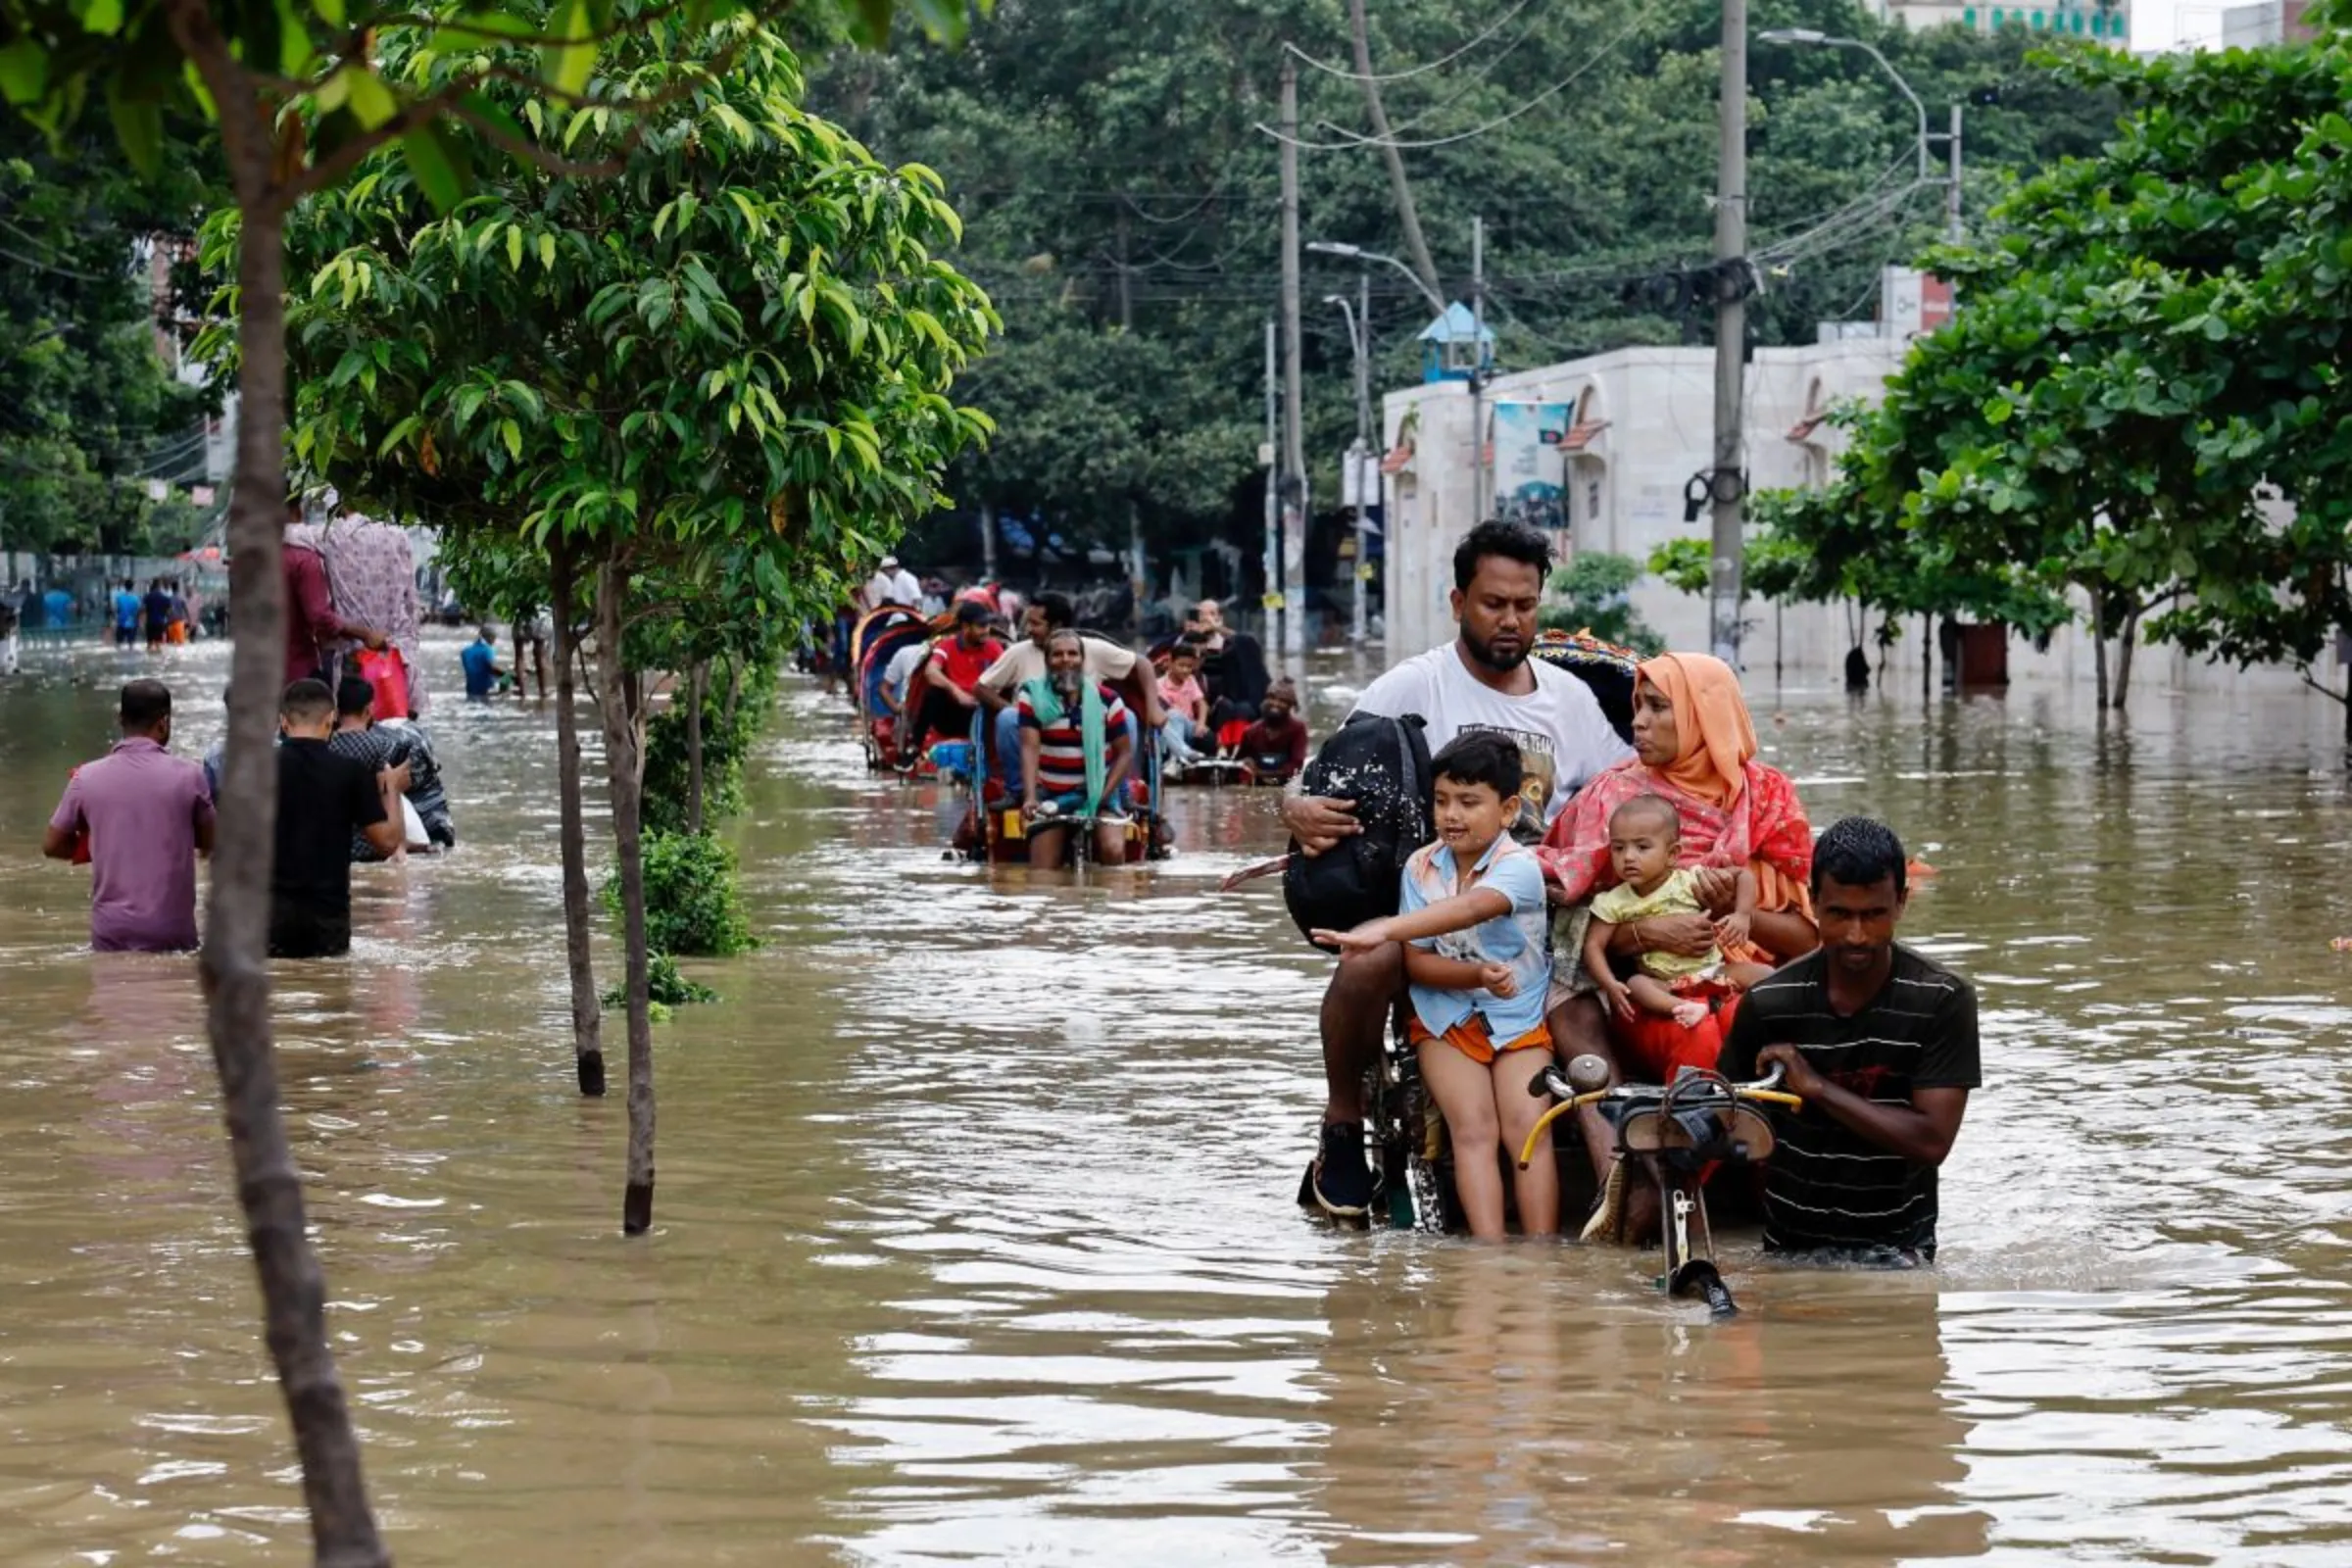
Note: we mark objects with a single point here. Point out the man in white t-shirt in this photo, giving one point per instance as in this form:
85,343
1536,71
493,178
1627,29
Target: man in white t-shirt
1484,680
892,584
1107,664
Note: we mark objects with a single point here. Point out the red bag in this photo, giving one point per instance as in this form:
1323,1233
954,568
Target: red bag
388,674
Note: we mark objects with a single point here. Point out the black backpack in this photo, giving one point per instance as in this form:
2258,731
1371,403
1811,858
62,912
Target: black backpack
1382,764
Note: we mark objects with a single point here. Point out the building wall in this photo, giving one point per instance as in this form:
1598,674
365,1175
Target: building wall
2087,19
1625,495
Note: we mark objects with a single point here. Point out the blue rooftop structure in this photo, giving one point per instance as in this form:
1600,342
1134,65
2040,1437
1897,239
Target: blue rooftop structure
1449,355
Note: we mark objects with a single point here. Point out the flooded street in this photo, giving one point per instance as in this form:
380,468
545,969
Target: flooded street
975,1236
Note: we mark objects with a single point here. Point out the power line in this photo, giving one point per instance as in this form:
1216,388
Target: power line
1354,141
1416,70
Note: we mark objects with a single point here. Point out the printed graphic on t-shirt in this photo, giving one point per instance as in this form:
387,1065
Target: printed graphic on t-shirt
1536,775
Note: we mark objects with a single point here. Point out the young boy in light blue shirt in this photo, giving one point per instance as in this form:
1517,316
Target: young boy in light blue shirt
1472,916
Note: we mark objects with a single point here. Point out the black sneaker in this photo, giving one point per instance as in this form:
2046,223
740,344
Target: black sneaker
1339,1179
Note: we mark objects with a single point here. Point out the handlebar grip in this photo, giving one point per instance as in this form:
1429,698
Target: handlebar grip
1549,1085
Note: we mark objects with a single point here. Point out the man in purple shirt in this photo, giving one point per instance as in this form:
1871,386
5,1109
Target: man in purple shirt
148,815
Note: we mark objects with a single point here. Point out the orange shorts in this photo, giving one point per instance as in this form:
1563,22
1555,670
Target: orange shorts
1472,1039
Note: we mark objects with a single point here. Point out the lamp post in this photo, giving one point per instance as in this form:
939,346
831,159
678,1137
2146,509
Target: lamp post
1951,178
1356,253
1359,335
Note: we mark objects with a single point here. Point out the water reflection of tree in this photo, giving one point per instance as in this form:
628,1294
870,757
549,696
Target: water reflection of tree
1538,1404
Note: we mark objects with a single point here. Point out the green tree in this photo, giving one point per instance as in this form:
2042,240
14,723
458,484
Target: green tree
2146,359
89,411
299,98
1121,201
718,378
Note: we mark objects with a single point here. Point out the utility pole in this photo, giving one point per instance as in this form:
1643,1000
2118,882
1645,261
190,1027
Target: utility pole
1294,428
1139,574
1365,471
1726,485
1952,230
1273,549
1478,370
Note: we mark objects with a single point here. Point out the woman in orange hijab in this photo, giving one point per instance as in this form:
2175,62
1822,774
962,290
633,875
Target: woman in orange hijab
1695,747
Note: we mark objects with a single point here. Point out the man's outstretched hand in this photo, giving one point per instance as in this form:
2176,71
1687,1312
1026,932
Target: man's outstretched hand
1319,821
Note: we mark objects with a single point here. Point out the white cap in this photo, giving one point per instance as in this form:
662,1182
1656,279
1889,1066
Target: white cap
889,562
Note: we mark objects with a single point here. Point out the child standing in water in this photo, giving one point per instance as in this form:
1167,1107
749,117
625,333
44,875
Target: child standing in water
1643,835
1473,919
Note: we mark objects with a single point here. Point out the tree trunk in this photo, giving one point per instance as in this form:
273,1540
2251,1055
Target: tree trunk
1408,217
237,978
696,681
734,692
1926,658
988,541
2098,644
2126,639
624,767
587,1014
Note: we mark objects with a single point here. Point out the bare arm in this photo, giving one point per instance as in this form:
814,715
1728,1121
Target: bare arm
1600,938
1425,968
206,825
1457,913
57,843
1142,692
1922,1131
1122,756
1029,746
1689,935
385,838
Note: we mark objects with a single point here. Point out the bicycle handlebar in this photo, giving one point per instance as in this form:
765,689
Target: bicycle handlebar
1542,1086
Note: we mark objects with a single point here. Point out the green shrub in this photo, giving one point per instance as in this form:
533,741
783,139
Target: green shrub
691,906
664,988
1590,594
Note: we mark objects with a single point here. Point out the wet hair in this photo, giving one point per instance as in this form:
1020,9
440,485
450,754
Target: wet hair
1057,609
1858,852
1656,805
306,702
1481,757
145,705
354,697
971,613
1512,541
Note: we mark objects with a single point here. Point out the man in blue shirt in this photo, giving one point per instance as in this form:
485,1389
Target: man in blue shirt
480,660
127,605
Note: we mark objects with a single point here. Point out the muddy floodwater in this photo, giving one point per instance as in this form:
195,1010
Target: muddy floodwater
976,1240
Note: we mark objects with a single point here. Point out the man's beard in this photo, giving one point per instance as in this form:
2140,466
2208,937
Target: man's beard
1485,655
1066,684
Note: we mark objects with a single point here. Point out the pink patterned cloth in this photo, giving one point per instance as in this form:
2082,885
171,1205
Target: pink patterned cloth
372,574
1763,828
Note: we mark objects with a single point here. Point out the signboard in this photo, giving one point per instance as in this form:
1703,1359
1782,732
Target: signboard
1359,478
1527,464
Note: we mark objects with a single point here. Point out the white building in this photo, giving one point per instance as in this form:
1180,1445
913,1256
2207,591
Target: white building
1635,433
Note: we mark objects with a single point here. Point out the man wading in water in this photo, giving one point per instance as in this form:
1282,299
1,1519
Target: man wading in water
1482,680
1882,1044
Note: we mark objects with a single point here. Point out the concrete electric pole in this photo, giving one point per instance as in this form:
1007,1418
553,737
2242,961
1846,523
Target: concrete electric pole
1726,484
1294,438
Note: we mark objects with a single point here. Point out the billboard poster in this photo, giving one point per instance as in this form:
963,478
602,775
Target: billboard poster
1527,464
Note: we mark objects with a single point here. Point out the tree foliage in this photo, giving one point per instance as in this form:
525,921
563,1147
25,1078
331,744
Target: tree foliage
1123,209
2142,396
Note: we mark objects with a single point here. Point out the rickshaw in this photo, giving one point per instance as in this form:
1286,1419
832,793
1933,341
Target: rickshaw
880,636
992,829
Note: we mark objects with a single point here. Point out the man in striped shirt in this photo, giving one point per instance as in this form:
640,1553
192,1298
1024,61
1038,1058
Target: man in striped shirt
1882,1044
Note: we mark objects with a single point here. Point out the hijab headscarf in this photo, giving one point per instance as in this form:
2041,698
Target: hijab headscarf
1716,739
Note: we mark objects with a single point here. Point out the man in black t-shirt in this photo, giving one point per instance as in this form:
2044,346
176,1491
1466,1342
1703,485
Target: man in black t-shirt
1882,1044
321,797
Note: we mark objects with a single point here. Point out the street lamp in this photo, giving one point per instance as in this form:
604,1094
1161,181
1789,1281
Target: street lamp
1356,253
1359,340
1815,36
